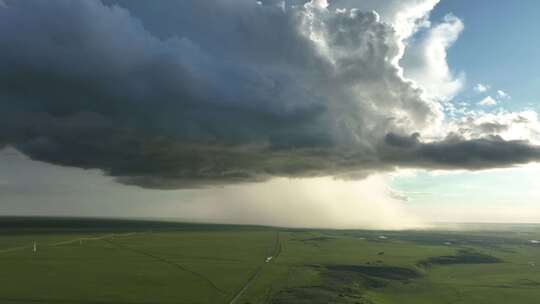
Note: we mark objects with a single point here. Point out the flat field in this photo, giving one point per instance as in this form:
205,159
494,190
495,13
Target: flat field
109,261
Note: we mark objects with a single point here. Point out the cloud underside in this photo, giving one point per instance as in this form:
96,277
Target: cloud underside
159,163
220,92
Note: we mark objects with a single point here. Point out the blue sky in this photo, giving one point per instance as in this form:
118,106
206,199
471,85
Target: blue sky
505,195
500,46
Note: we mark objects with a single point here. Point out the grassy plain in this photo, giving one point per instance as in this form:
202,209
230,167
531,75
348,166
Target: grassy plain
107,261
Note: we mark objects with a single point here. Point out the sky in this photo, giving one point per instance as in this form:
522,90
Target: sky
345,114
497,48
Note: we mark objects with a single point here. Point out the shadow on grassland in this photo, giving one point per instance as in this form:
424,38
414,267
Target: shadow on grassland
465,256
346,284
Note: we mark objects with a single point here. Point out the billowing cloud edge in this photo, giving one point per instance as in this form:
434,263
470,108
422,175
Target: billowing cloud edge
260,92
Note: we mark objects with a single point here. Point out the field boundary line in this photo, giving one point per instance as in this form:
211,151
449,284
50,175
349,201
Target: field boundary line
166,261
14,249
277,252
96,238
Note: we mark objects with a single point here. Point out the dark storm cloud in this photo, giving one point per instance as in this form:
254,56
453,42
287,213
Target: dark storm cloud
454,152
195,93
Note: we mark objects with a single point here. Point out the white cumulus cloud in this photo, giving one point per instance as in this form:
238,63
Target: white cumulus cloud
503,94
488,101
481,88
425,60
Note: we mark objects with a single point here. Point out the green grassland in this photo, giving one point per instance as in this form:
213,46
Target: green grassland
107,261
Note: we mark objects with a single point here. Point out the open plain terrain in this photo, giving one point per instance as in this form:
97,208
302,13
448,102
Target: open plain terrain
120,261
